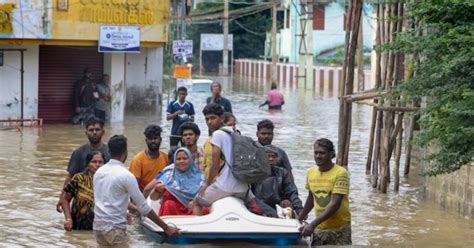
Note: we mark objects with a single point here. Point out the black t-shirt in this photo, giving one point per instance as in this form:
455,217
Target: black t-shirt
77,162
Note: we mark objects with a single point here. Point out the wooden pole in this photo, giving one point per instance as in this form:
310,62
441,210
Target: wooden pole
360,59
341,135
365,96
408,147
371,141
388,120
376,161
398,154
345,109
377,86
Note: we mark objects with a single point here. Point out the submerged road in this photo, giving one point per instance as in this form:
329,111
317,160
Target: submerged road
33,163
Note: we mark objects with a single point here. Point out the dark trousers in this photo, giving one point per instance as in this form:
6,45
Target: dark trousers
99,114
174,141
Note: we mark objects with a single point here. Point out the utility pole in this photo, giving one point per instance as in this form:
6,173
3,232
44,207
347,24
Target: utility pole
183,19
273,71
305,70
225,27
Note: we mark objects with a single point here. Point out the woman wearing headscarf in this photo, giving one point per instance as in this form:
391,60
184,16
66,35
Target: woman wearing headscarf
177,185
80,214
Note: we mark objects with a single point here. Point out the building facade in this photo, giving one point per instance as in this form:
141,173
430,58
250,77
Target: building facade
47,44
328,29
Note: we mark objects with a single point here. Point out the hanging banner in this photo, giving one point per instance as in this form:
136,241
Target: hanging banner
183,50
119,39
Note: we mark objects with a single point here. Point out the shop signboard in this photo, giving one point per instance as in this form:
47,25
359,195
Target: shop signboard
119,39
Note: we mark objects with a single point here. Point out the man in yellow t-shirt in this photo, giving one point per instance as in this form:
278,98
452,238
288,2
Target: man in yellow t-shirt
146,164
328,186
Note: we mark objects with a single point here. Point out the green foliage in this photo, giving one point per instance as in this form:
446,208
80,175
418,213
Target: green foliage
445,75
246,44
251,45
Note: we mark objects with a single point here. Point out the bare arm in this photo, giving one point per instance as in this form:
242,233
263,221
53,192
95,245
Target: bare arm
215,166
335,204
149,188
308,205
65,204
170,231
66,182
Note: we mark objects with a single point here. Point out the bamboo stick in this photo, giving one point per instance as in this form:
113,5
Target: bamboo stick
392,108
408,147
365,96
360,59
345,109
373,125
378,134
380,82
371,141
388,117
398,154
342,91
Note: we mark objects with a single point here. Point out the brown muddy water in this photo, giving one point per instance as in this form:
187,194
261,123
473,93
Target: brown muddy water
33,163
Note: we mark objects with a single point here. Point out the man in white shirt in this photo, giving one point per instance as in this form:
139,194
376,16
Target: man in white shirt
221,182
114,185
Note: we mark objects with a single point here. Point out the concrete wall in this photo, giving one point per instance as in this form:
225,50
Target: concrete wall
452,192
144,79
325,78
10,86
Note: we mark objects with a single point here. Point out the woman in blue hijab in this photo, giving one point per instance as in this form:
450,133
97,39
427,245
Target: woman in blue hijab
178,184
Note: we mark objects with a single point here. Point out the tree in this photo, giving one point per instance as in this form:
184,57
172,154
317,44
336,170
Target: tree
248,30
443,44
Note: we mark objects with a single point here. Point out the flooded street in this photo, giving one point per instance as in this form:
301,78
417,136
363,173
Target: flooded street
33,163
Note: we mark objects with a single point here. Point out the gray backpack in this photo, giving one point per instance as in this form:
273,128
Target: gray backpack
251,164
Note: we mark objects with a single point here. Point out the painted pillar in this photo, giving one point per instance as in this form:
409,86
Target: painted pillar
154,75
114,65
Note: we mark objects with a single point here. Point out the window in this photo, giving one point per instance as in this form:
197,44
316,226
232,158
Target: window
318,17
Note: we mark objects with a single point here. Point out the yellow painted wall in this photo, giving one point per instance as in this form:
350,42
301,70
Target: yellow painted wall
5,17
82,18
77,22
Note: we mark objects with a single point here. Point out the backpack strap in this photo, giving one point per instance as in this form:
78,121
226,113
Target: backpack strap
226,131
222,154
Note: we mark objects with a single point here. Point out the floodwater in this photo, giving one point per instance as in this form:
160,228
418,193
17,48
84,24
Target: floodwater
33,163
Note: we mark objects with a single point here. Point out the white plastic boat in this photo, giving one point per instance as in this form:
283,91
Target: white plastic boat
228,219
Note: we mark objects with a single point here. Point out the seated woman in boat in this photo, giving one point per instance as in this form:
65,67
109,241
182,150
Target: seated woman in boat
276,189
80,214
177,185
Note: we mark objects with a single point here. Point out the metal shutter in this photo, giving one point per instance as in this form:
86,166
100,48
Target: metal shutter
59,68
